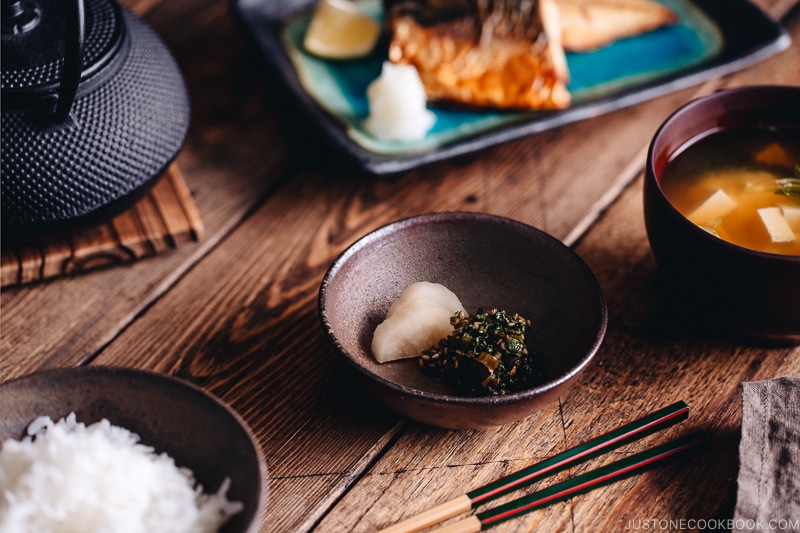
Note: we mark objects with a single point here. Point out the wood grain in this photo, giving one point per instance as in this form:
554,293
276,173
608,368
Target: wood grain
236,312
235,334
652,356
162,220
235,152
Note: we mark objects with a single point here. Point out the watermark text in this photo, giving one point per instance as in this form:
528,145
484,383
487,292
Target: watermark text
722,524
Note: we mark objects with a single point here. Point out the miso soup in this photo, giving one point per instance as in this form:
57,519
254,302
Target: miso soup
742,185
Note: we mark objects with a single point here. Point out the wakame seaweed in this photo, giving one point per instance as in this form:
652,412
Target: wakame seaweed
485,355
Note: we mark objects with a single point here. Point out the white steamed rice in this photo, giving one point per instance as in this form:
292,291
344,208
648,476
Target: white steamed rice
68,477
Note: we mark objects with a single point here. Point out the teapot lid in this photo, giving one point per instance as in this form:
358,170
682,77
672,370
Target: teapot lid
34,35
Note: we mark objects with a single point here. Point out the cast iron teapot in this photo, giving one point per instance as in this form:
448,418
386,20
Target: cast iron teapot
94,109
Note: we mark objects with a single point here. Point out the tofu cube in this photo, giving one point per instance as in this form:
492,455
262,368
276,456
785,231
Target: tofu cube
716,206
792,216
778,228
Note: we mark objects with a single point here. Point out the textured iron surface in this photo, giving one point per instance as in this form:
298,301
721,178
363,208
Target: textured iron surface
34,59
121,135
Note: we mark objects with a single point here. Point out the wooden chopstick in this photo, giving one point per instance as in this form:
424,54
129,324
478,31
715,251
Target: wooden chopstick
584,483
625,434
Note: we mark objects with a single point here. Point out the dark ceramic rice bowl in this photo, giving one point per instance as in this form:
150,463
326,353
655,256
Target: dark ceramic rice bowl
173,416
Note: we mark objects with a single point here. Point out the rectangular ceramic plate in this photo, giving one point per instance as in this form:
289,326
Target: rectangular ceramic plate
711,39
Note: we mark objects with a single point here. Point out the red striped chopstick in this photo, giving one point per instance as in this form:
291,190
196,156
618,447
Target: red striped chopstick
584,483
630,432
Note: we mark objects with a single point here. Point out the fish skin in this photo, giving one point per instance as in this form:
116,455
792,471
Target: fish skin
592,24
482,53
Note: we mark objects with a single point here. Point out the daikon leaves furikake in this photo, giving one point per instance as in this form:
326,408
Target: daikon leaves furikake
485,355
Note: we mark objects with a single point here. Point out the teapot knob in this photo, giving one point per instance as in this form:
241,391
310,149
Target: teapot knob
19,16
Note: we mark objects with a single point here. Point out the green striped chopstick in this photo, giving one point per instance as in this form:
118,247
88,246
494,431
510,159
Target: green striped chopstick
635,430
584,483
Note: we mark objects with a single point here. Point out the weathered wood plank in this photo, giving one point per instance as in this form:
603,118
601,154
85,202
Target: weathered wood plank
234,154
156,223
237,315
649,359
236,335
240,333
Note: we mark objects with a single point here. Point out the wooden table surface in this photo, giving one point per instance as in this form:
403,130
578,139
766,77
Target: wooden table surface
229,311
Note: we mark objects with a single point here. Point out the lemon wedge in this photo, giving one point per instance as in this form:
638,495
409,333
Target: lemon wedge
338,30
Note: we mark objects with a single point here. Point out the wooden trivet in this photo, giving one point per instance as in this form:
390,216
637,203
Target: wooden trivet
163,219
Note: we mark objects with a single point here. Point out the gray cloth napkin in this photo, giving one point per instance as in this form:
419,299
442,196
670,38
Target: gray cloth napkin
768,497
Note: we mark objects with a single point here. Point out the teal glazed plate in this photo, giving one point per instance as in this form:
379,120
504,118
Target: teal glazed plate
711,39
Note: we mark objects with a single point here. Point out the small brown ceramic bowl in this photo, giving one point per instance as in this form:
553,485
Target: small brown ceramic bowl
171,415
487,261
733,289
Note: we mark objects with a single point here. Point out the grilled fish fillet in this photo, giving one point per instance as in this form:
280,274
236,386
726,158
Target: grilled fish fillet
495,53
590,24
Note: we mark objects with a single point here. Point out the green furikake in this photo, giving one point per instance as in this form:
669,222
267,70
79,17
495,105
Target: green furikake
485,355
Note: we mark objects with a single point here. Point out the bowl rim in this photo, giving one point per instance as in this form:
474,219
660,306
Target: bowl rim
116,372
454,399
651,176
